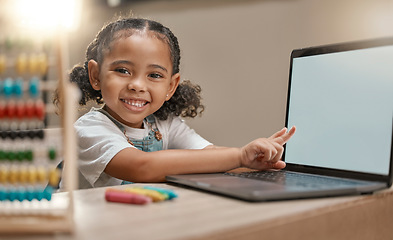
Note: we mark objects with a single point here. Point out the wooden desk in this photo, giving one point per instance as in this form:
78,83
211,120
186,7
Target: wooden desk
198,215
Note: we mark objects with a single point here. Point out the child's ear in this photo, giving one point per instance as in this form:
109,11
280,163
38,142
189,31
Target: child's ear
175,80
94,72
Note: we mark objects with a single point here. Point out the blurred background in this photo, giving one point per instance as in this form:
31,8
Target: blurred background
236,50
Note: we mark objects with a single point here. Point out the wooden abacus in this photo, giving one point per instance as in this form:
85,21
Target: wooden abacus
30,151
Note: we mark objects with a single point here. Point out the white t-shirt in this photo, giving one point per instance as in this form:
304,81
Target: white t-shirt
100,140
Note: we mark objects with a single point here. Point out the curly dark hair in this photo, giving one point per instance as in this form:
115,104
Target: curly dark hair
185,102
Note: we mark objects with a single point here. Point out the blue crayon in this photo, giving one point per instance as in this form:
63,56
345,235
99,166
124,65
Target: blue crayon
171,194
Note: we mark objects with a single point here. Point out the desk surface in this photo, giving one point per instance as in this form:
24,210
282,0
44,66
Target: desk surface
199,215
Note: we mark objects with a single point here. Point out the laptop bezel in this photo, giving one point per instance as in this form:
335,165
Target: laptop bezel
333,48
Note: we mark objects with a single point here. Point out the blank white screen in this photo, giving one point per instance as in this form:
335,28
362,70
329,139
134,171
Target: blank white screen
342,106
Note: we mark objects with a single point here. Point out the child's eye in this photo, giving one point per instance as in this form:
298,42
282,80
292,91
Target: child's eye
122,70
155,75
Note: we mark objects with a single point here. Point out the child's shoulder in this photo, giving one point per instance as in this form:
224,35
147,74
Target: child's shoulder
171,122
169,119
93,117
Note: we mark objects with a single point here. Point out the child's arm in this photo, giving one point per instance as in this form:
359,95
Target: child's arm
137,166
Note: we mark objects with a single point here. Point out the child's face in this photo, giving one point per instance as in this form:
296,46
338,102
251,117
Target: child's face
135,78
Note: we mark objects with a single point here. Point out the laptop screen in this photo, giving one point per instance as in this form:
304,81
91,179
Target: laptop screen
341,102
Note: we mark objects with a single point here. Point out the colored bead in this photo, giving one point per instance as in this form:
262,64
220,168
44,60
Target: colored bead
29,155
40,133
12,195
33,64
20,195
3,134
36,134
18,87
54,177
52,154
13,176
12,135
40,109
39,195
3,195
30,194
20,110
21,64
2,155
47,193
41,174
8,87
10,109
2,110
32,177
23,175
20,155
3,175
2,64
10,155
29,109
22,134
31,134
34,89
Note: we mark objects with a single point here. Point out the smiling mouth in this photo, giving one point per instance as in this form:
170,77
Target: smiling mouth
135,103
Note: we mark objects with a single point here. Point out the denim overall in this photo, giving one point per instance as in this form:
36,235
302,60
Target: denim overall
148,143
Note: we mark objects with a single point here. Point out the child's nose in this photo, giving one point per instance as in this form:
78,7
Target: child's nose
137,84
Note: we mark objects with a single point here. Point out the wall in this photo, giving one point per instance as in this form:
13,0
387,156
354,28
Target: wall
238,51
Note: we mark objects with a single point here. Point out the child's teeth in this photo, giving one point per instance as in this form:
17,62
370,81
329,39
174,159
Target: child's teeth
134,103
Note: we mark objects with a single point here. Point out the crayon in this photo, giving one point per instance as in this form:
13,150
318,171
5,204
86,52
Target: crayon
154,195
171,194
126,197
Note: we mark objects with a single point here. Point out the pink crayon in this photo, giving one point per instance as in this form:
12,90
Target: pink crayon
126,197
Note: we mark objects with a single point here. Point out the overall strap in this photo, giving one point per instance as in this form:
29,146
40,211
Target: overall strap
151,119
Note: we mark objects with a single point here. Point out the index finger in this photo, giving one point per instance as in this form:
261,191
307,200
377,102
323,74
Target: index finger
279,133
285,137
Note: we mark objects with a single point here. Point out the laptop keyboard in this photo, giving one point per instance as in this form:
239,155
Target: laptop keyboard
296,179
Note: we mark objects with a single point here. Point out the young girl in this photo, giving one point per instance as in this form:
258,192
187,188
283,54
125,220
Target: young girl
132,68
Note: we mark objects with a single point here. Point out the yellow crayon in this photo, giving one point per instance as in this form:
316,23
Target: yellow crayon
154,195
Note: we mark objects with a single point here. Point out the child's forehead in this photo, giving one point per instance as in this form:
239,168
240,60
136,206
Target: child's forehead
129,33
126,33
123,39
140,42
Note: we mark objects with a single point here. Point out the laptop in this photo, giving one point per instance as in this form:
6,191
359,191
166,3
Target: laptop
340,98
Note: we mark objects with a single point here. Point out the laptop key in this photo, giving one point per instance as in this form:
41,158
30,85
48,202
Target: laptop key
295,179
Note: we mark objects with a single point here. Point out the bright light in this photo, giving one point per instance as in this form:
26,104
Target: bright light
47,14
